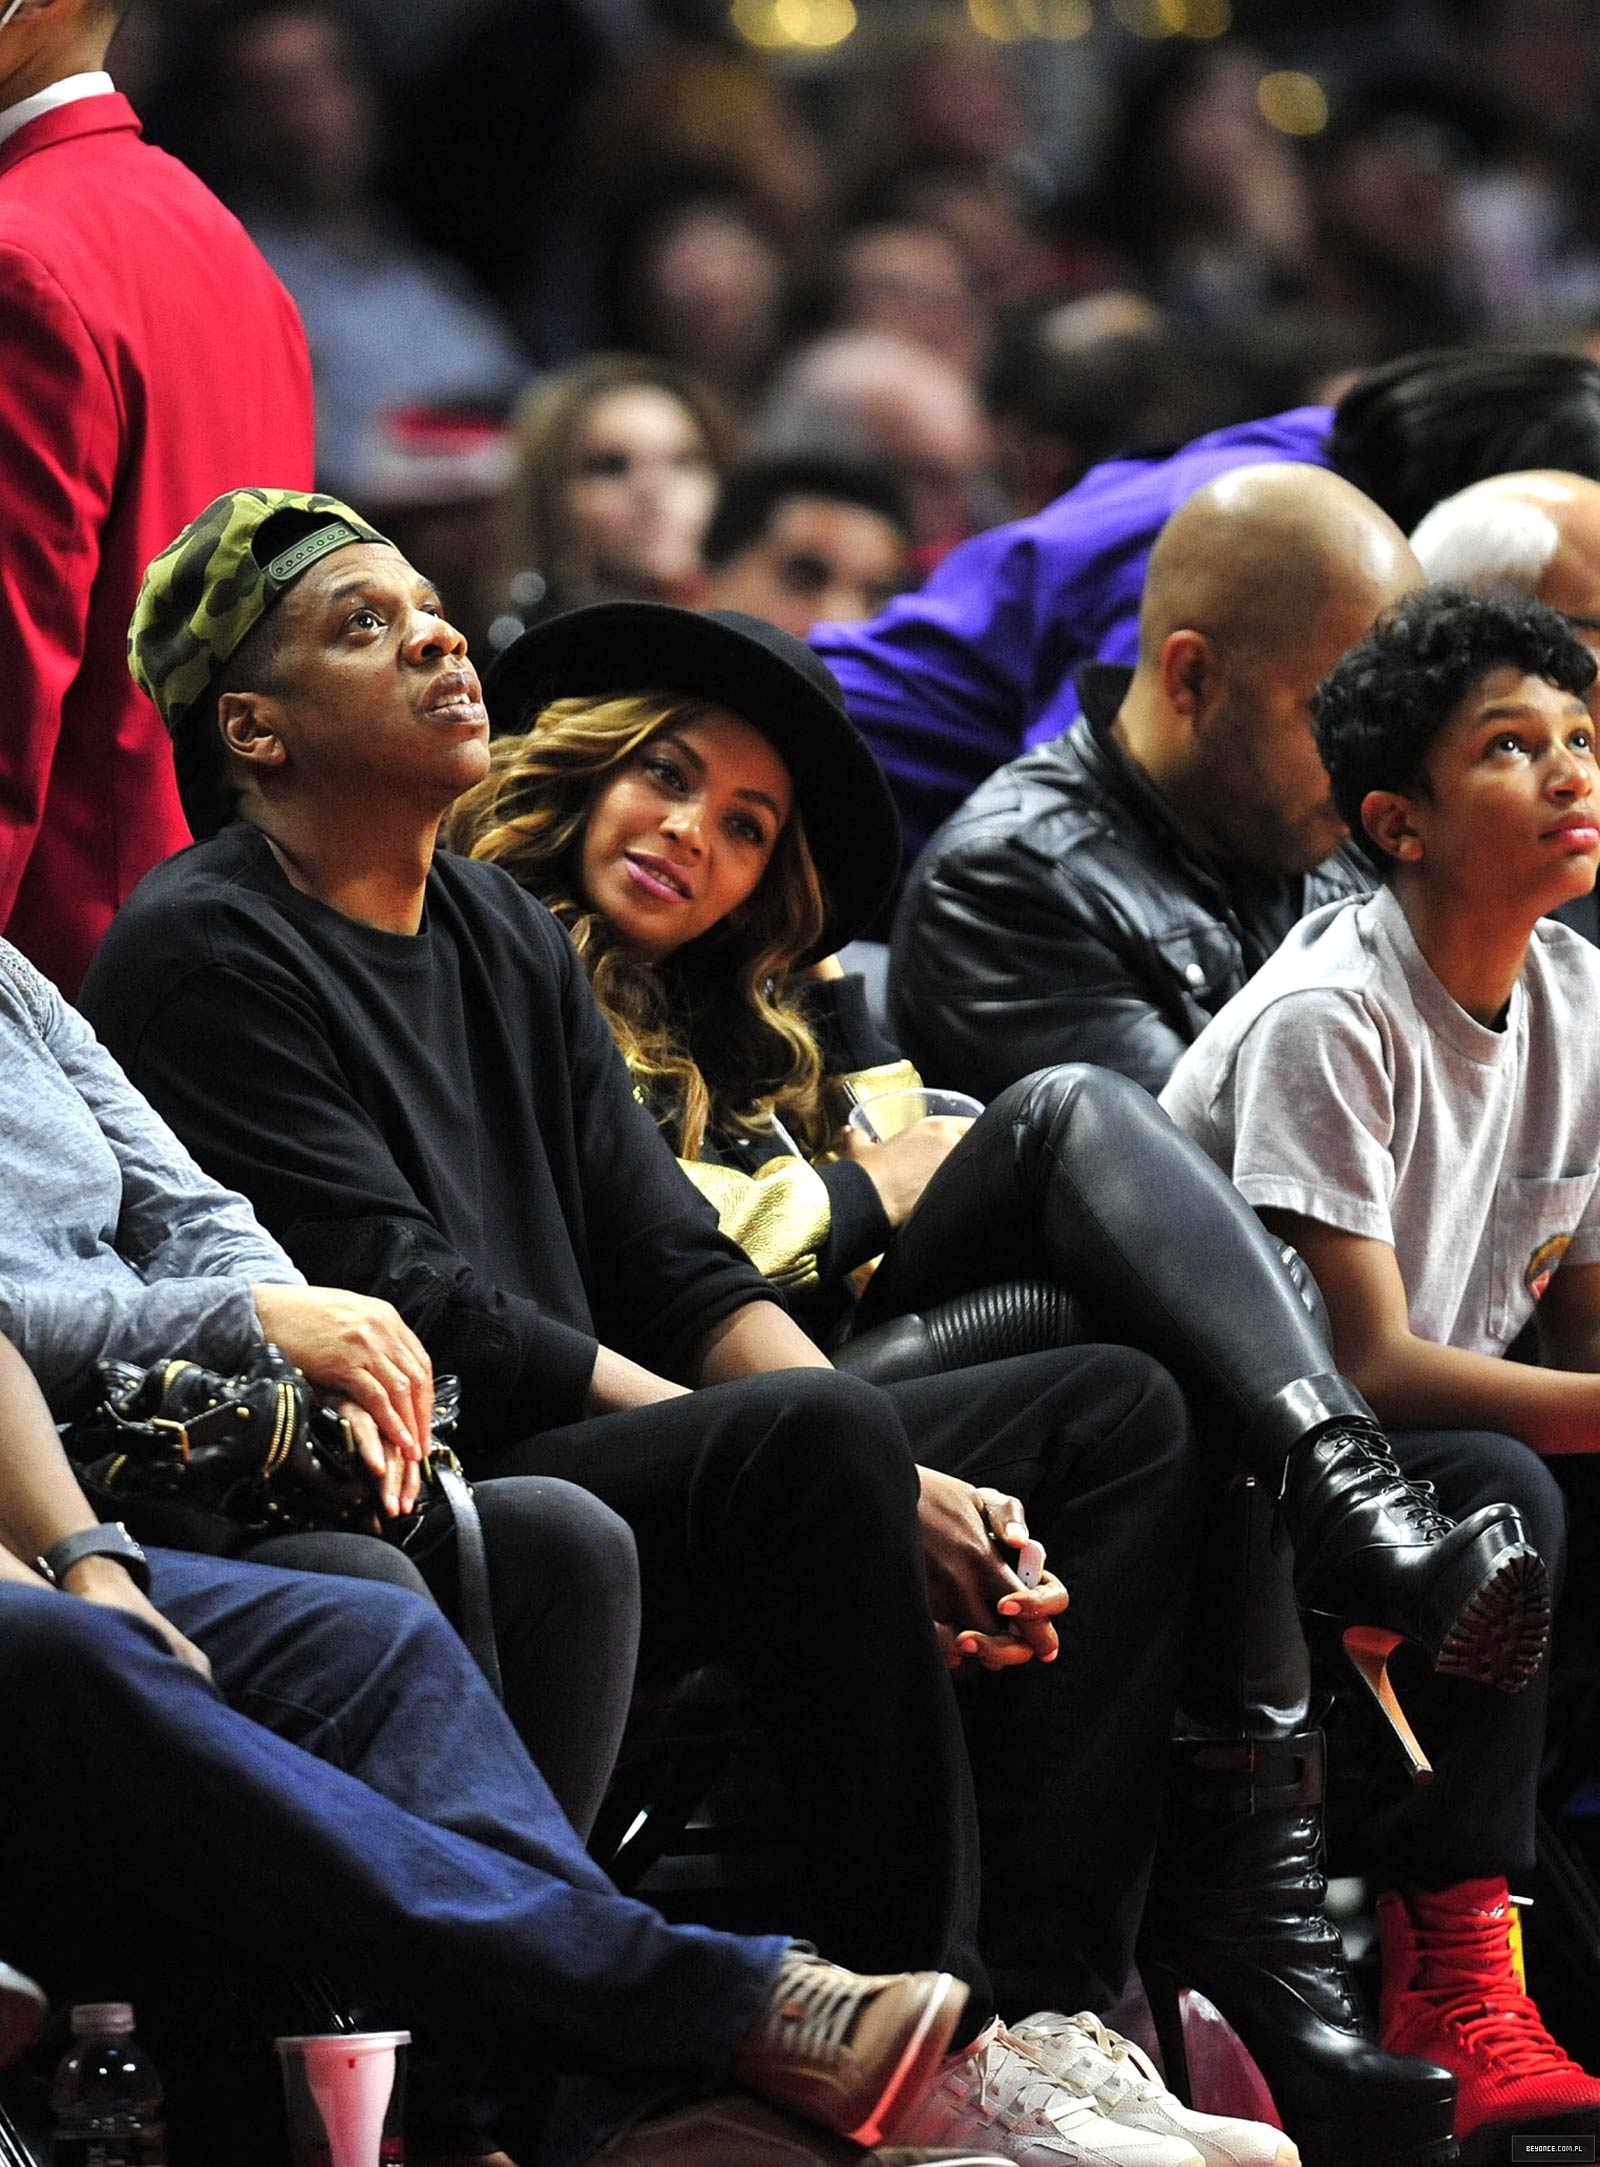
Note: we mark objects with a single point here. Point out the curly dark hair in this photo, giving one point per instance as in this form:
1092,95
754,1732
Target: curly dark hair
1382,705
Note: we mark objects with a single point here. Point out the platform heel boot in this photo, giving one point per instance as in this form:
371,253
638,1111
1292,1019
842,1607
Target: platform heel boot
1237,1904
1243,1922
1375,1555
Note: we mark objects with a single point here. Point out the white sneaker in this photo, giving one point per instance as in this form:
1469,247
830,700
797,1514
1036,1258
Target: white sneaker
997,2095
1124,2085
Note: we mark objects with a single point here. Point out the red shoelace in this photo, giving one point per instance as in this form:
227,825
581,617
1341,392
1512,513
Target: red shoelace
1471,1987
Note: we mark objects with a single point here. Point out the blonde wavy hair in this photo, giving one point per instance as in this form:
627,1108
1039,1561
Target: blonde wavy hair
717,1040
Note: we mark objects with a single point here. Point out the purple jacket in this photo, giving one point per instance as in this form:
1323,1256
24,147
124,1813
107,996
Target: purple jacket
951,682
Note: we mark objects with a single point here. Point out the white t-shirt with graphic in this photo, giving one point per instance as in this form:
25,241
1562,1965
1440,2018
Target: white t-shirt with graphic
1346,1085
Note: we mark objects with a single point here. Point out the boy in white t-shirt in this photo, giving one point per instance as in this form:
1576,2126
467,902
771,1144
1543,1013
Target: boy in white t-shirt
1409,1091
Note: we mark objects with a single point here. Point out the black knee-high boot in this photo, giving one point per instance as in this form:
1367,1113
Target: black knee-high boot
1237,1906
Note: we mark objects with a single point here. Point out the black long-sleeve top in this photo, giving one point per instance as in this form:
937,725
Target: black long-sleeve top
440,1118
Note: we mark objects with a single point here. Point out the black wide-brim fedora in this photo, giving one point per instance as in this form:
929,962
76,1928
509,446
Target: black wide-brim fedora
770,679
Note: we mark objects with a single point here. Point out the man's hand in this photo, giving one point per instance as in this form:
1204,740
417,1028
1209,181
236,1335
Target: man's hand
981,1610
362,1349
902,1167
102,1581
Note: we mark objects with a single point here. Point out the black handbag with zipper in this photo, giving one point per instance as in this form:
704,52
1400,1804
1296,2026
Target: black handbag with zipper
195,1460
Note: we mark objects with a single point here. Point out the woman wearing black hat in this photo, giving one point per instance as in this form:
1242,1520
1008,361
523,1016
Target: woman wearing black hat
691,800
686,852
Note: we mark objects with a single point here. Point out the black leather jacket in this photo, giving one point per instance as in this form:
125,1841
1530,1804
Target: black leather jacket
1062,915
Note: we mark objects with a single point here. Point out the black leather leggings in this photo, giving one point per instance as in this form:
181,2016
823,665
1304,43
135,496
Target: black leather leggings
1075,1175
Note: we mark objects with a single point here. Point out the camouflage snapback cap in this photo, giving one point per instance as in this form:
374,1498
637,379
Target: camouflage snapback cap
200,598
213,584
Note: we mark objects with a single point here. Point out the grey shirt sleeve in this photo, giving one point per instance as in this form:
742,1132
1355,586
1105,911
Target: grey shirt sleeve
1310,1105
187,1251
61,1335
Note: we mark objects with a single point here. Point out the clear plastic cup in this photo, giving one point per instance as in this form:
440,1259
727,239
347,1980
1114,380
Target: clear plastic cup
886,1113
345,2096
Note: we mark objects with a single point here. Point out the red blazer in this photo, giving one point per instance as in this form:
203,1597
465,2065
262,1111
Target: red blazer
149,359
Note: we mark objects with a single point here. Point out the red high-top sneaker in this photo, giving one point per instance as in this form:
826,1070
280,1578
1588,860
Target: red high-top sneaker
1452,1993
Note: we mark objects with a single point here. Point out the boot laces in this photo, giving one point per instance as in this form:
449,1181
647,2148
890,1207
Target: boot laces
1297,1927
1415,1502
1469,1979
814,2007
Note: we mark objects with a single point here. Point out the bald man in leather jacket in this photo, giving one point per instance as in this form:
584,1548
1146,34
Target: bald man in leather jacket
1102,897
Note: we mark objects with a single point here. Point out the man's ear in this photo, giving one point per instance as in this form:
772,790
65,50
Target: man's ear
1190,673
1387,817
247,723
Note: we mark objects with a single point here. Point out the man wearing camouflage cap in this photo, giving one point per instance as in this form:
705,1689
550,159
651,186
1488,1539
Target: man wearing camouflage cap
395,1054
148,357
247,548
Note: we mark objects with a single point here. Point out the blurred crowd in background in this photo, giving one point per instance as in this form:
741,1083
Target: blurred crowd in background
564,264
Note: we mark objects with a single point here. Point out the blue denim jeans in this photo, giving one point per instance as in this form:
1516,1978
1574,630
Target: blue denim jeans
349,1799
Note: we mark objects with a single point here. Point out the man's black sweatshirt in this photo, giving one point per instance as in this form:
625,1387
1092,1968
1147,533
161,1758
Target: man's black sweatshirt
440,1118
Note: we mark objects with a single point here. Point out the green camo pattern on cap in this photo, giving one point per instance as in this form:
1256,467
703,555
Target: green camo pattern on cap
206,590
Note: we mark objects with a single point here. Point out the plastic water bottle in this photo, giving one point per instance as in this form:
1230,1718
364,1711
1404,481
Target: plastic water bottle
106,2098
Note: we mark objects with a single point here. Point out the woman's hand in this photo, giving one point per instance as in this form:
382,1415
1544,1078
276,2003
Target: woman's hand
360,1348
103,1581
902,1167
981,1610
396,1475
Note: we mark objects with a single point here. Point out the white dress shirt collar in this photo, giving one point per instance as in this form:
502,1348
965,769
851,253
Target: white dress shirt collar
94,83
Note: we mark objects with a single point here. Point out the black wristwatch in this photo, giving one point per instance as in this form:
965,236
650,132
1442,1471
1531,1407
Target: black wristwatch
110,1541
